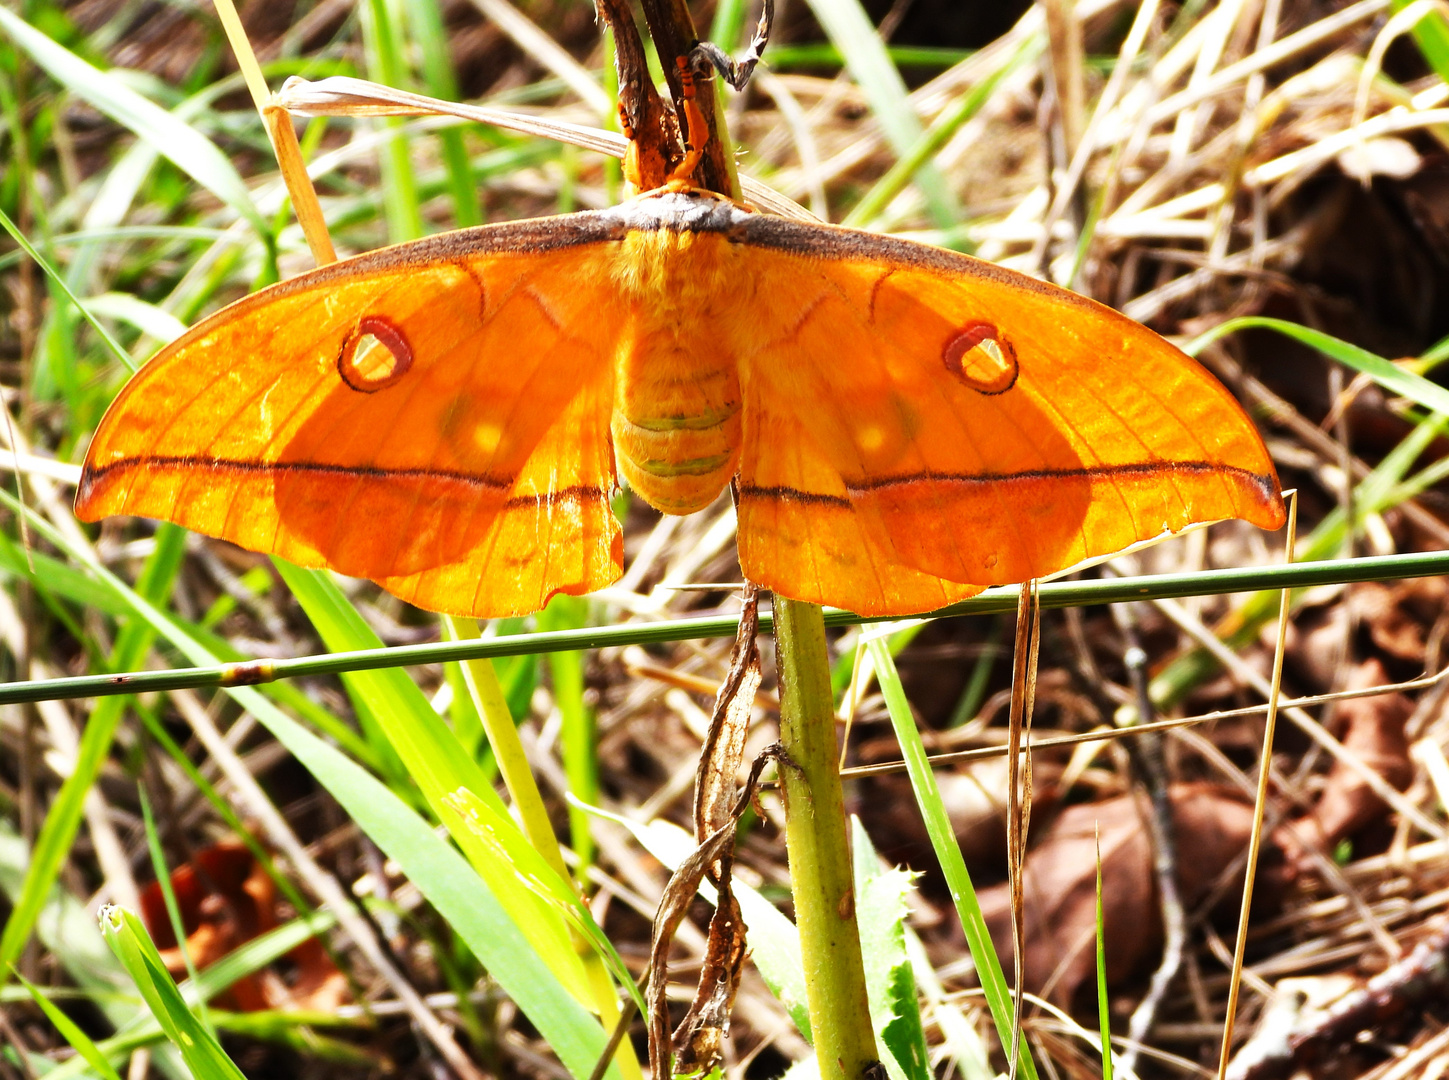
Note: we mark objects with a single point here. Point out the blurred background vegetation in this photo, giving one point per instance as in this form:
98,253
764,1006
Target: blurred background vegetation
1187,163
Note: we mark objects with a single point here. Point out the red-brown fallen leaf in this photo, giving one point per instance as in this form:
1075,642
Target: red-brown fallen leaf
1373,731
1398,616
1211,825
225,899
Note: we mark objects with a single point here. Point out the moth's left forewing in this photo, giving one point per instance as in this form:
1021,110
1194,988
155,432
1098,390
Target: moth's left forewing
979,426
1142,419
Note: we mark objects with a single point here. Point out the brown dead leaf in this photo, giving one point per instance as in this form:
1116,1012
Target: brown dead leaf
225,899
1373,731
1318,637
1398,616
1211,827
673,906
699,1040
974,796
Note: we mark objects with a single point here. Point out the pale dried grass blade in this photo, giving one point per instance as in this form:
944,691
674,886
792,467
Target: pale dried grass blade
534,41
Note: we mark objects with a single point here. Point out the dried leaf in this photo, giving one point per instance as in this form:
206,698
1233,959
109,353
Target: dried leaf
1398,616
703,1030
673,906
699,1040
724,749
1059,884
1374,733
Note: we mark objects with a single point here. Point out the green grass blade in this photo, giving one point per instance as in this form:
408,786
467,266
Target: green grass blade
168,896
727,26
534,870
579,741
383,44
188,150
1104,1014
489,703
294,1030
373,694
78,1039
56,579
974,692
454,890
429,753
58,281
152,320
824,54
1431,34
1387,374
849,29
251,956
68,930
133,947
934,139
1432,357
425,18
464,900
463,711
948,853
244,960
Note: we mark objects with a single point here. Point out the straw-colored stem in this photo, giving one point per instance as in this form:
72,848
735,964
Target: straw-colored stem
1255,839
821,876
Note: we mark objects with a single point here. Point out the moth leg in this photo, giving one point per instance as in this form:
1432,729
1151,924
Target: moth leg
696,130
737,73
632,173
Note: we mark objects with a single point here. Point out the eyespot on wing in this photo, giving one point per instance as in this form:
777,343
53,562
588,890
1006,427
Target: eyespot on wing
375,355
981,357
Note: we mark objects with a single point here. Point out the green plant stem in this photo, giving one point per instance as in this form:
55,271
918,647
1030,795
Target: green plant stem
1054,594
819,849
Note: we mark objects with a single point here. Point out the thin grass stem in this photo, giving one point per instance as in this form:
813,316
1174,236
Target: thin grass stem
1056,594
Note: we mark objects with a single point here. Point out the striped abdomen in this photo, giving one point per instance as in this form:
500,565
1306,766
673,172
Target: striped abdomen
676,421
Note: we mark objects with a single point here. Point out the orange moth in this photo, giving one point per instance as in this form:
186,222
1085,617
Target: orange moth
450,417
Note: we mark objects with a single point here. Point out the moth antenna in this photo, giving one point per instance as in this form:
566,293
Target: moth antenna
707,54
